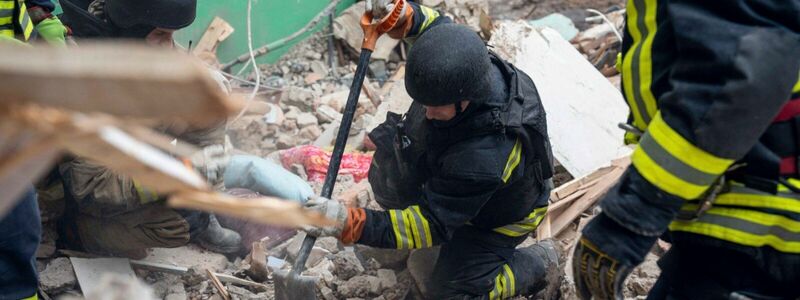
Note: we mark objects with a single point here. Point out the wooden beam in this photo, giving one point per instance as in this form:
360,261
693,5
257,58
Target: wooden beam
126,80
588,200
267,210
217,31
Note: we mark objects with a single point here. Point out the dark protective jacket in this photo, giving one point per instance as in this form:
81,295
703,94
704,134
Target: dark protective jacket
489,169
708,83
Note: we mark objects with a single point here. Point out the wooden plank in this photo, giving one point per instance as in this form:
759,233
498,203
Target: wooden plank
217,31
19,169
588,200
221,290
267,210
132,81
400,74
373,96
178,270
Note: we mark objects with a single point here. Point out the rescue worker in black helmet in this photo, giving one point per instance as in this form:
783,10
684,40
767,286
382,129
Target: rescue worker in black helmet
468,168
109,214
715,171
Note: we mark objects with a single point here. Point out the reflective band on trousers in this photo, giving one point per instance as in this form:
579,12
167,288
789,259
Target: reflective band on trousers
411,228
744,227
739,195
504,284
637,64
524,226
675,165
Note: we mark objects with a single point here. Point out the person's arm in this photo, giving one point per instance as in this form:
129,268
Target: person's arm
47,25
418,19
733,71
466,181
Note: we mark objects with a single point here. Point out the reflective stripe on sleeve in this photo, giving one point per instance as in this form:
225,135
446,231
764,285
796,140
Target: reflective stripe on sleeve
524,226
411,229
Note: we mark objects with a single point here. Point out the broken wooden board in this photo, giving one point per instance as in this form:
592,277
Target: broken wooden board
217,31
90,270
591,188
20,167
583,108
126,80
267,210
206,49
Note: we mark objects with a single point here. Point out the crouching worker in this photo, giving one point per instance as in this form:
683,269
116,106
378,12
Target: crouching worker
468,168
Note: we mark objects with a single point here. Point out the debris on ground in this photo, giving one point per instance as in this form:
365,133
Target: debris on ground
290,127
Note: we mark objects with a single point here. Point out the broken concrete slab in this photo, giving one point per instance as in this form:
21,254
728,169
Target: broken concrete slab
332,244
316,255
115,286
188,256
388,258
387,278
90,270
58,276
420,265
359,286
583,108
306,119
346,265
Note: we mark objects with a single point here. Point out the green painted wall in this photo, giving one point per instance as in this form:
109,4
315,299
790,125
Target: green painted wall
271,20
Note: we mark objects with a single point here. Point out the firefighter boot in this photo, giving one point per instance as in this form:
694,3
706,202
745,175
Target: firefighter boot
543,272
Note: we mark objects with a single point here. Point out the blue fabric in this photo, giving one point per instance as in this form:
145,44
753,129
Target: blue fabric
20,233
47,5
265,177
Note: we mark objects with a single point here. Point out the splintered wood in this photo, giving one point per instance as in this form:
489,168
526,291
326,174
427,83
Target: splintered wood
95,102
130,81
570,200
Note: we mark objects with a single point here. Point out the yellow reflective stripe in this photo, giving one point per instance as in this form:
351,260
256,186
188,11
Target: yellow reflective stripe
743,196
637,63
397,226
6,20
145,195
428,239
796,88
513,160
504,284
411,229
524,226
7,4
430,15
25,20
676,155
512,289
34,297
745,227
685,150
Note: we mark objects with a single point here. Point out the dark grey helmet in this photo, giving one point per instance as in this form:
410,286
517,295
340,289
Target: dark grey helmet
170,14
447,64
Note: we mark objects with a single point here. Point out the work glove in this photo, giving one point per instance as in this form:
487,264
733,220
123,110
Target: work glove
211,162
52,31
331,209
381,8
604,256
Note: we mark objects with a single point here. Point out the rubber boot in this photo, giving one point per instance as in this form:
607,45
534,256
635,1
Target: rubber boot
218,239
542,272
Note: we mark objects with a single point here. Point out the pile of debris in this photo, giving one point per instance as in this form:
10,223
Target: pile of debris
297,109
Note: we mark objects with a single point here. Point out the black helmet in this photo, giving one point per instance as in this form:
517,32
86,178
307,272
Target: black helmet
170,14
448,64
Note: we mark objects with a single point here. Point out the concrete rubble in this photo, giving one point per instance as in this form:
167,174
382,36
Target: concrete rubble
301,102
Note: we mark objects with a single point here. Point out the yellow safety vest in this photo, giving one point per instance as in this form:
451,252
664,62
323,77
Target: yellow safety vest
8,19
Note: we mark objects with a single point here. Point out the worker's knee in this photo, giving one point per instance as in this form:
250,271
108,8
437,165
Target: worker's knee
131,233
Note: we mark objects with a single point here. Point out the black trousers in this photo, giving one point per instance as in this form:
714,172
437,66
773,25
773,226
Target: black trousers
696,271
20,232
468,266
